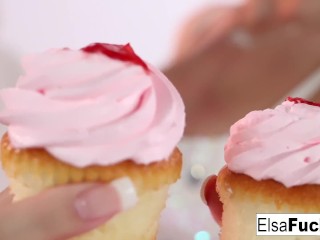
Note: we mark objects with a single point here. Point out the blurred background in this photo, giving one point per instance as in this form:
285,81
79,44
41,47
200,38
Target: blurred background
226,57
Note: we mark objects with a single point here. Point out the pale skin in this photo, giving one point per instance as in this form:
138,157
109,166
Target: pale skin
220,82
55,214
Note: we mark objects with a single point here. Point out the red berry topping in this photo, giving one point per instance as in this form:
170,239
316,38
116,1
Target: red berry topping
301,100
120,52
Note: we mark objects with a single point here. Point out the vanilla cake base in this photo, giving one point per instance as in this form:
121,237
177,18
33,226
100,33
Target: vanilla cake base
244,197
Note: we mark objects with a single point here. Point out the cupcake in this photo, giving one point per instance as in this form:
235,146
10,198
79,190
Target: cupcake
94,115
273,163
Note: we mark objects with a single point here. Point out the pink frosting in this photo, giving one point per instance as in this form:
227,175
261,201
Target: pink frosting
282,144
87,108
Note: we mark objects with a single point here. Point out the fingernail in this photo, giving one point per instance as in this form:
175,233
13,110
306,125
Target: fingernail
127,191
104,201
242,38
203,188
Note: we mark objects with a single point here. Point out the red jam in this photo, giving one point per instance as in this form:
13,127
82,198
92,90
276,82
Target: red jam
120,52
301,100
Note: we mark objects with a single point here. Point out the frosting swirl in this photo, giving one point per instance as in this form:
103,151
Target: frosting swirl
95,106
281,144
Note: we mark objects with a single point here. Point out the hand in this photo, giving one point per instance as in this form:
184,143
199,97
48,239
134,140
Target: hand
211,198
62,212
216,22
247,58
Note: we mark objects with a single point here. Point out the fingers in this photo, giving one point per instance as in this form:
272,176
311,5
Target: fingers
211,198
214,23
255,12
203,29
217,30
258,12
67,211
309,12
288,8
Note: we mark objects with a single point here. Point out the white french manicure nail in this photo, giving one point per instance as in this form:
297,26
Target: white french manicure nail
126,191
106,200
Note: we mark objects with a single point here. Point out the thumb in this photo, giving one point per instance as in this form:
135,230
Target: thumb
65,211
